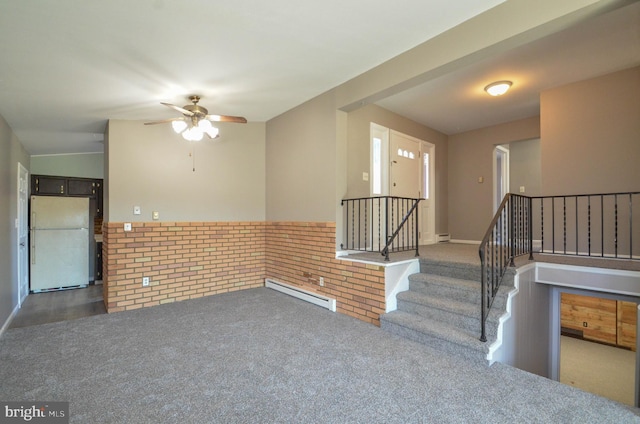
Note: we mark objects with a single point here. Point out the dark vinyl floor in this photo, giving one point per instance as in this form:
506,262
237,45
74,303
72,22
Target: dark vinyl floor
42,308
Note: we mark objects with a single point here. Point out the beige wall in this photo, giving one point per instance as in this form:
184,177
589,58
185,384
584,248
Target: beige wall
301,164
591,135
524,167
12,153
151,167
471,158
83,165
359,153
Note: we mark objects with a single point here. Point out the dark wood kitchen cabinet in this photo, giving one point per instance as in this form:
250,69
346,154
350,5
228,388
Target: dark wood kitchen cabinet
81,187
49,185
66,186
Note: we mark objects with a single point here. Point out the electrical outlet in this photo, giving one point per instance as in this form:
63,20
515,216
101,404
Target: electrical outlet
321,281
584,324
145,281
127,226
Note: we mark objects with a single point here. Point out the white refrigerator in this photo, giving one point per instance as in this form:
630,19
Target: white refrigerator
59,240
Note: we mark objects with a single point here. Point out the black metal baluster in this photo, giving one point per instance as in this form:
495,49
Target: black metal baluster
379,223
577,250
601,225
615,220
417,223
630,226
360,224
366,223
542,225
564,225
352,225
589,224
553,225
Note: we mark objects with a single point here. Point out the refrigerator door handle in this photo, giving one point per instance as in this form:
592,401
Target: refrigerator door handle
33,247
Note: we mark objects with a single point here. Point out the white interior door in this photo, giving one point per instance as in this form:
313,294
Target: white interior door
23,233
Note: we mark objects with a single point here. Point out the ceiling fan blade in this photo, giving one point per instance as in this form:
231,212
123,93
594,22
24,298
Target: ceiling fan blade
164,121
226,118
178,108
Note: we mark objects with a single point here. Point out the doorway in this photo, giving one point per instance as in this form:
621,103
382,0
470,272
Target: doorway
404,166
597,347
500,175
23,234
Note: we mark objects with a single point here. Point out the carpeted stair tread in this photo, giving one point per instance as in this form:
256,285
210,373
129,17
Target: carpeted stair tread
439,335
441,280
461,307
463,315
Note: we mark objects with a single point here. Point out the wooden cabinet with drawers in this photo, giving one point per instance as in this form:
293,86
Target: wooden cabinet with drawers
603,320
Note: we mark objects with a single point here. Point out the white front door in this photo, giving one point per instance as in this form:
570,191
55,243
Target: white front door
413,175
23,233
405,166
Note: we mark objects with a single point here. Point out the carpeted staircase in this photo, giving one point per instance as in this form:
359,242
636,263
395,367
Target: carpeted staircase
442,309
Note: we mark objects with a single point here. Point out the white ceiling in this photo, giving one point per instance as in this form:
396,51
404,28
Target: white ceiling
68,66
457,102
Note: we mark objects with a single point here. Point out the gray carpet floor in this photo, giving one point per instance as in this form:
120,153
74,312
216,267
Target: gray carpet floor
259,356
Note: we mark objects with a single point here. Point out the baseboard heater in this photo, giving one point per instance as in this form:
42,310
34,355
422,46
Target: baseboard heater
300,293
443,238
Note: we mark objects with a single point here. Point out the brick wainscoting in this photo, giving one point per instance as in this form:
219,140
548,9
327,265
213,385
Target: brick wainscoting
301,252
183,260
189,260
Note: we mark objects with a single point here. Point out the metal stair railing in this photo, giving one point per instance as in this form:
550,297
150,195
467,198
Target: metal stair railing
381,224
508,236
591,225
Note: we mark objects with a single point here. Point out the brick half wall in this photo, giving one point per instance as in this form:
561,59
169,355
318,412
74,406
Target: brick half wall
195,259
182,260
299,253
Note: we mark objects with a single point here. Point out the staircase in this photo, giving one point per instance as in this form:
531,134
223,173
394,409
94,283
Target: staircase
441,309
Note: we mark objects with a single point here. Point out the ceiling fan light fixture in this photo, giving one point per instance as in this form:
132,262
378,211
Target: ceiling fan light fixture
206,127
179,126
213,132
193,134
498,88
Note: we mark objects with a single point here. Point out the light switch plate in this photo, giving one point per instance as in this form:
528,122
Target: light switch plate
127,226
136,210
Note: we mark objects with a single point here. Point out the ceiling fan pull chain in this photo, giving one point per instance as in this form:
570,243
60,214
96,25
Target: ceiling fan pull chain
193,155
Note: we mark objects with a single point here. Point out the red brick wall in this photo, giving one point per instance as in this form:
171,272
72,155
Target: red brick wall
189,260
300,253
184,260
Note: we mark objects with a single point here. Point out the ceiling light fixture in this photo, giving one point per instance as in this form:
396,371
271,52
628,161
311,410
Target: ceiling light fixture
197,130
498,88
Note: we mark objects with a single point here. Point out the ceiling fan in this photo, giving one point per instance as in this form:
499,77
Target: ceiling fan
196,120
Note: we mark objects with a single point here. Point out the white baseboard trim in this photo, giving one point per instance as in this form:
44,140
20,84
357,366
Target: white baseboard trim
465,241
7,323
